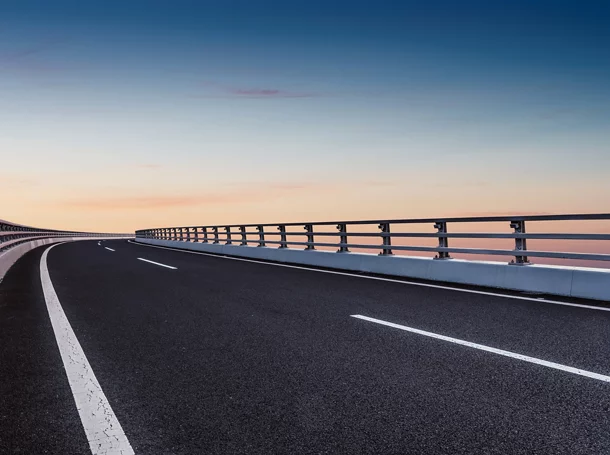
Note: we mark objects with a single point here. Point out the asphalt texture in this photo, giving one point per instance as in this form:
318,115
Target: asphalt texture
231,357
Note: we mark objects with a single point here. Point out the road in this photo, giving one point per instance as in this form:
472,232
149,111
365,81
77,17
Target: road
222,356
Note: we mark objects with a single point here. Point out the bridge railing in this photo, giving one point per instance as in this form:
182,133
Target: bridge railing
352,235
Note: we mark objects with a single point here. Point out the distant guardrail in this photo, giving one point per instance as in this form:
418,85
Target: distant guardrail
350,235
12,235
16,240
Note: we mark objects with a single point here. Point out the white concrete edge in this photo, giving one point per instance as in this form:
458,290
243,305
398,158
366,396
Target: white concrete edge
579,282
12,255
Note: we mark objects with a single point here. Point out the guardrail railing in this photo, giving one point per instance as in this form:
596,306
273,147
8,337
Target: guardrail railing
348,237
12,234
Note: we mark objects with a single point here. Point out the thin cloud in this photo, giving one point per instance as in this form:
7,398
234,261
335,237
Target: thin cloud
225,91
262,194
15,181
148,166
166,202
25,59
378,183
474,184
137,202
269,93
246,193
291,186
27,52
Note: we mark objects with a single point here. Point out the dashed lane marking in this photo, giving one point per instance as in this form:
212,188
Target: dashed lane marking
481,347
158,263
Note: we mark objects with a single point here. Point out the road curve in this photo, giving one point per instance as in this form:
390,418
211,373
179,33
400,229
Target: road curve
206,355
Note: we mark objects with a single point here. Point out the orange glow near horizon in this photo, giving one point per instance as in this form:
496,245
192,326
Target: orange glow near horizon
75,206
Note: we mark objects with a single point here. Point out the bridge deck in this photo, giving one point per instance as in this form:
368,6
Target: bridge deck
228,356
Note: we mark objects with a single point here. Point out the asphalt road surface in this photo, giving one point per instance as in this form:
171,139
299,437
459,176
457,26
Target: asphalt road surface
198,354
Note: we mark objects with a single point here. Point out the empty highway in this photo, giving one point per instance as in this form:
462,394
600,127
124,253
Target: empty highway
198,354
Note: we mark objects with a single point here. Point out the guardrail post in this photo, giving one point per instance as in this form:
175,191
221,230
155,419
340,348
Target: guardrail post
342,228
205,234
196,230
228,231
282,230
310,238
520,243
387,240
188,234
182,234
216,239
244,238
443,242
261,235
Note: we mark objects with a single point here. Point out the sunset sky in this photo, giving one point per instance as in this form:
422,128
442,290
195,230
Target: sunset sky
119,115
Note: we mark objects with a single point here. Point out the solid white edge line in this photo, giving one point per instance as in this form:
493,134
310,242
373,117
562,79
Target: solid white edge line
103,430
481,347
390,280
109,249
158,263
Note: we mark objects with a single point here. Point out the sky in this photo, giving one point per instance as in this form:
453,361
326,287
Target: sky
122,115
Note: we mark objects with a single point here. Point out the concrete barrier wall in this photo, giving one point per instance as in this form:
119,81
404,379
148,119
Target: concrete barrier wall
556,280
9,257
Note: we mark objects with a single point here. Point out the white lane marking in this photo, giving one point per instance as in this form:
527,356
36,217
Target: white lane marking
109,249
103,430
390,280
481,347
157,263
99,243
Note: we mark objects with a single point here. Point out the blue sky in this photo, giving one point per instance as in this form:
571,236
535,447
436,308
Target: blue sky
201,112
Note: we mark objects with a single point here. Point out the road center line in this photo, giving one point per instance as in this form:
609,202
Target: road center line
481,347
103,430
158,263
378,278
109,249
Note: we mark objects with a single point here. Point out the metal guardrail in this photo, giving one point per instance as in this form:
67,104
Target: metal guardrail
12,235
277,234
